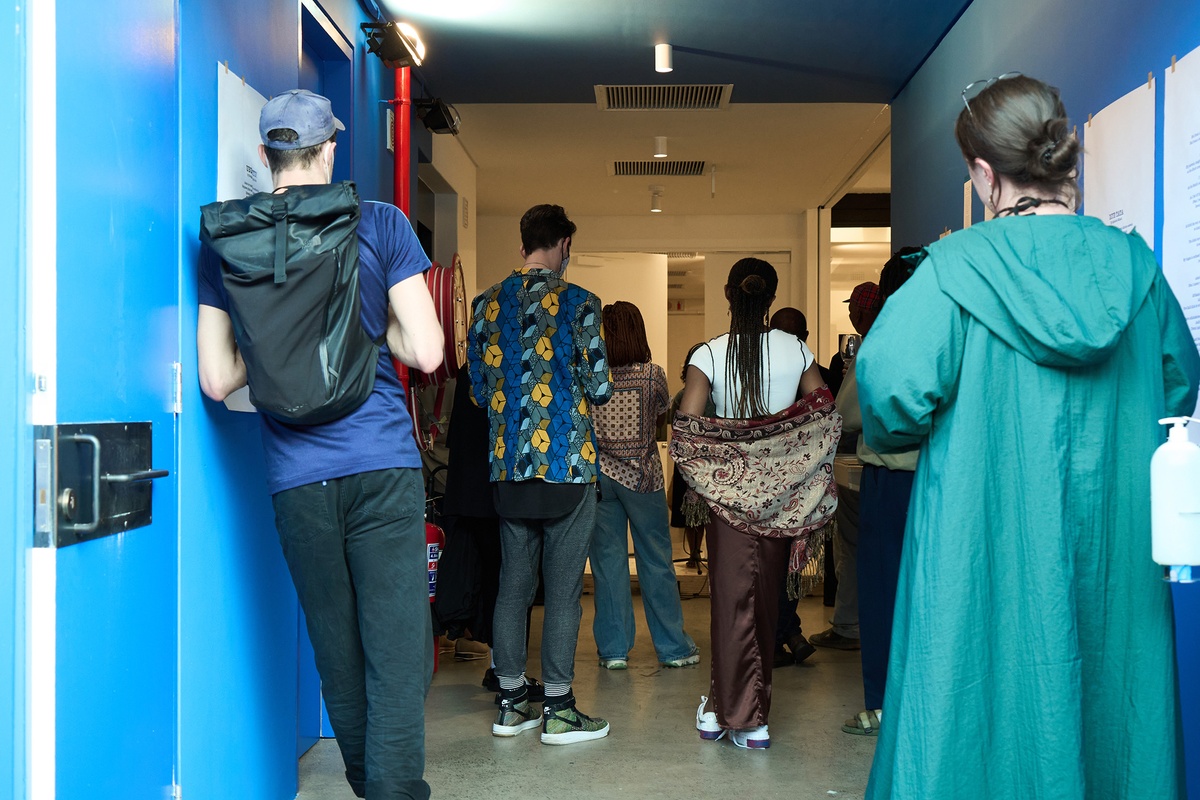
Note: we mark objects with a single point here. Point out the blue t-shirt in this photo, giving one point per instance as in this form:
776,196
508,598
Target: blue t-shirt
378,434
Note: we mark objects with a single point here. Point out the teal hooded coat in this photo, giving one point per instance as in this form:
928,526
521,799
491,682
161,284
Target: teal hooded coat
1033,652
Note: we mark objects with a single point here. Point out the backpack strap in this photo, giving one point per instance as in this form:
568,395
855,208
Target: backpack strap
279,211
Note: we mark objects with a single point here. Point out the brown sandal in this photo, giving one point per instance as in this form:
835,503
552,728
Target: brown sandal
865,723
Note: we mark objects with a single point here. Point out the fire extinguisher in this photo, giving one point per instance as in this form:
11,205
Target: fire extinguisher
435,542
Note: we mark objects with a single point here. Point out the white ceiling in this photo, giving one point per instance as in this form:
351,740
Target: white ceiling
770,158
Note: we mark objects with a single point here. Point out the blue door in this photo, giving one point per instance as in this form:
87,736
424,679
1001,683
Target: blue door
15,444
118,341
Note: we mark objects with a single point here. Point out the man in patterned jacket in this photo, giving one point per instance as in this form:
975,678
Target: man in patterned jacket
537,360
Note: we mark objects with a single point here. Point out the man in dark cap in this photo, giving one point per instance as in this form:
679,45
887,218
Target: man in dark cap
348,495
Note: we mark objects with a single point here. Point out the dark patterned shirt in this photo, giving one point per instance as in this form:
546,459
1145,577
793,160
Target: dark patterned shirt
536,357
625,427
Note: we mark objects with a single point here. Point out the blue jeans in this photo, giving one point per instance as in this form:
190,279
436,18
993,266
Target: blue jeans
645,513
356,549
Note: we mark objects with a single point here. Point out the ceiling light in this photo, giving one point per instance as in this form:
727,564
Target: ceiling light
662,57
660,147
396,43
656,199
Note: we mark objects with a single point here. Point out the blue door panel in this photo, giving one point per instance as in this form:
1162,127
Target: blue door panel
116,728
238,610
15,485
118,334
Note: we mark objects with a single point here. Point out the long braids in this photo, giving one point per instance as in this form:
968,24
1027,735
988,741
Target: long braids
751,288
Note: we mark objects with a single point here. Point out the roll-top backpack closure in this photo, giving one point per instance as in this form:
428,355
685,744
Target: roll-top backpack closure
289,265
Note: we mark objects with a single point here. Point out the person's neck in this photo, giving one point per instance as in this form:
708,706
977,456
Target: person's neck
542,259
1048,203
298,177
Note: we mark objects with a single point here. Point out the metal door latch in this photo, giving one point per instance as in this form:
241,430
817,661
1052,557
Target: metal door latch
92,480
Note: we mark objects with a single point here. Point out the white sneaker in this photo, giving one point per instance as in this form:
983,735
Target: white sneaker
706,722
614,663
686,661
751,738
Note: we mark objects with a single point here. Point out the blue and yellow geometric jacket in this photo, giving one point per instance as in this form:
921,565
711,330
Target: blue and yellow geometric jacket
537,358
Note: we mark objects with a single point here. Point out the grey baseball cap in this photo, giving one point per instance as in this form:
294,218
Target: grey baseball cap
308,114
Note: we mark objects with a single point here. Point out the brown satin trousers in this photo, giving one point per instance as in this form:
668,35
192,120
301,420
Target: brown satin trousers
746,573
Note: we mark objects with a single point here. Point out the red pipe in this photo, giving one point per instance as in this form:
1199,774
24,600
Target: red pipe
402,136
402,153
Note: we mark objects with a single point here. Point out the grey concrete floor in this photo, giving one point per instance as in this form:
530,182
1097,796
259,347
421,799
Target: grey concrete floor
653,749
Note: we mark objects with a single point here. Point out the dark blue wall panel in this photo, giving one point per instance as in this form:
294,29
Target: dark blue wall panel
15,443
238,613
1095,51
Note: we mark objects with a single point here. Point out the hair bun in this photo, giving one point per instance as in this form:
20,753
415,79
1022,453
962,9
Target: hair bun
753,284
1054,154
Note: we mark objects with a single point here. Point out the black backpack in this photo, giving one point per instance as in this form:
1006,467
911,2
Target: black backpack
289,263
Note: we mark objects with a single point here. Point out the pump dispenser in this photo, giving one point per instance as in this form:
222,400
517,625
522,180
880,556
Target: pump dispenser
1175,500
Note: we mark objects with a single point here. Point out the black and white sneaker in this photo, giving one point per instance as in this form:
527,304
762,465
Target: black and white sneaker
516,715
562,723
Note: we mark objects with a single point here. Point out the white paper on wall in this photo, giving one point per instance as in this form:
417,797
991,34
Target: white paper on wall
1181,188
240,172
1119,164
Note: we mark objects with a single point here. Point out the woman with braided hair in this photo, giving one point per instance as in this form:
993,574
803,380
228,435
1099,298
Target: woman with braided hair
764,465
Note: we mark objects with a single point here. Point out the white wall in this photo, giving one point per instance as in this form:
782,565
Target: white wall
683,331
638,278
455,167
499,242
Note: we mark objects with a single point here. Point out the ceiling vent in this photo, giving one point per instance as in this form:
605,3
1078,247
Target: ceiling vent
677,273
677,254
693,97
657,168
674,285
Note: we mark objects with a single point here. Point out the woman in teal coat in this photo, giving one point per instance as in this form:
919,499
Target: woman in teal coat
1030,358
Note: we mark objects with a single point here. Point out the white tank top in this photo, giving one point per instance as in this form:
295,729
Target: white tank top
784,360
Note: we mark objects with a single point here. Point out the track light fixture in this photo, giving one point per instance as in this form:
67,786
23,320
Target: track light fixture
437,115
660,147
656,199
396,43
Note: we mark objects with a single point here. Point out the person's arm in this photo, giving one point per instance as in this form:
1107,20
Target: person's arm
910,363
662,395
696,390
222,371
475,337
1180,361
416,338
811,380
591,352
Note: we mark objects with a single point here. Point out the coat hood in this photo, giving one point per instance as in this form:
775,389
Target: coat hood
1059,289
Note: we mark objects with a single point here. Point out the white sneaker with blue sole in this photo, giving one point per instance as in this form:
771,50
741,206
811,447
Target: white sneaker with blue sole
706,722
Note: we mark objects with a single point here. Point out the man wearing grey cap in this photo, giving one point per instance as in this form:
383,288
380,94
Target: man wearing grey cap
347,493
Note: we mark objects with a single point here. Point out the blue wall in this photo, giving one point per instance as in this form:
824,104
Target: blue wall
16,486
1095,51
238,614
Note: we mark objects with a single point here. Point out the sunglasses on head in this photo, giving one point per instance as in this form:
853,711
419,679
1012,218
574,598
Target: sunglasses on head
975,87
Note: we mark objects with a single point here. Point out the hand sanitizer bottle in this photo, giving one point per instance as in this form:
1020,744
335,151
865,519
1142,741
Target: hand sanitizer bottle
1175,501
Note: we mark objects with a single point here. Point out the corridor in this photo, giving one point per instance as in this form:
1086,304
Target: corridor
653,750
